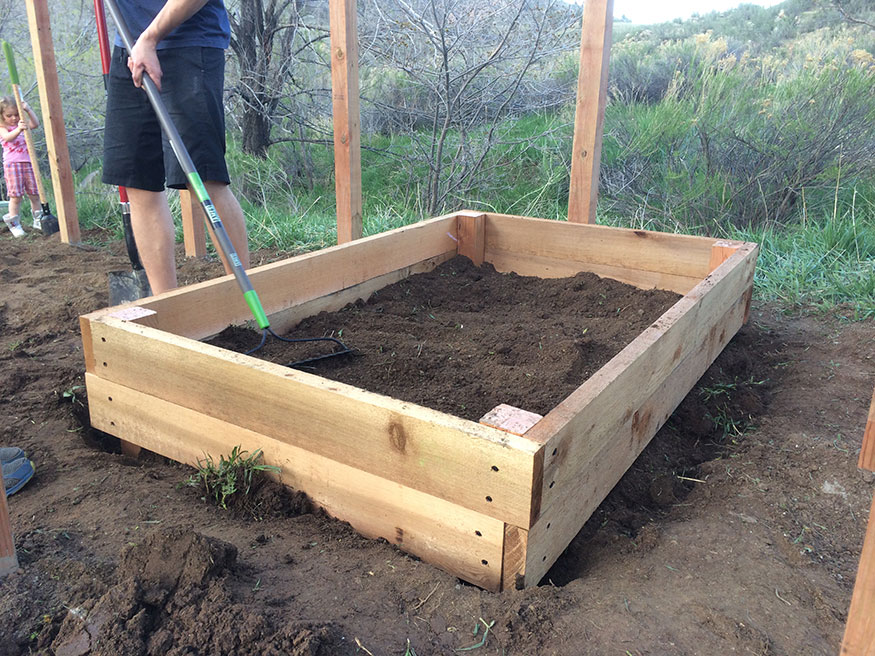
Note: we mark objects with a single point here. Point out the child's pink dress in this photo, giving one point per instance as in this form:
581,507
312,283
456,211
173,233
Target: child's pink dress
17,170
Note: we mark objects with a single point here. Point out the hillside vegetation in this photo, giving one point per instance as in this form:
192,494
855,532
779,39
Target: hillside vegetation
753,123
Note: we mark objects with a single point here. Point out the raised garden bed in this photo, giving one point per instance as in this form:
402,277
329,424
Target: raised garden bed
494,503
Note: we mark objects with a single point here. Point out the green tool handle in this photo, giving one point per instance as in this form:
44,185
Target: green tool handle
10,62
194,179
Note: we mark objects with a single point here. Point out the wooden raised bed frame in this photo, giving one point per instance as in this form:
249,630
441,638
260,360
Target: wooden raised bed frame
491,506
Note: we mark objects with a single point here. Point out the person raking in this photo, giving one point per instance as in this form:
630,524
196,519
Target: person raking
180,44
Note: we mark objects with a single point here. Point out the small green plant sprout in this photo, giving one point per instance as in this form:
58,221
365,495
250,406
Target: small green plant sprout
231,478
69,394
487,625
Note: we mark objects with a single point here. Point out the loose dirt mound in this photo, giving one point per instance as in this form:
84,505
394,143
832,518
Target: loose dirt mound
737,530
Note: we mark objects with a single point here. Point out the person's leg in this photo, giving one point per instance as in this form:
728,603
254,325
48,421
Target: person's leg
192,86
133,157
232,218
14,205
155,236
35,206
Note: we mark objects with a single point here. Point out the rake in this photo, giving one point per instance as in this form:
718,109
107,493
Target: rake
223,241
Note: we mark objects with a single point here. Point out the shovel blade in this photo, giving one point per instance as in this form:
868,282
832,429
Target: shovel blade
128,286
49,224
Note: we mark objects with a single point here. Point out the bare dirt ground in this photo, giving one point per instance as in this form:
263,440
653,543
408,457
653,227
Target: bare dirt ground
117,557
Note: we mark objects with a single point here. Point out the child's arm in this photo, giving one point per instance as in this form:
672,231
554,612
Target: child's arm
9,135
32,120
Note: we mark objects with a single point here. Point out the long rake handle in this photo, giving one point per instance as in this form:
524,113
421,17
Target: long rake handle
194,179
28,137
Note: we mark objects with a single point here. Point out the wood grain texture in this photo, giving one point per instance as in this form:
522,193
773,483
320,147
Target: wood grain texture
514,561
859,638
867,452
347,120
589,117
8,558
470,233
480,468
194,237
206,308
553,249
465,543
53,119
576,480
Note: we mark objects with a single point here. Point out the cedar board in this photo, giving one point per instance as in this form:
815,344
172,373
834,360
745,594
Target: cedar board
491,506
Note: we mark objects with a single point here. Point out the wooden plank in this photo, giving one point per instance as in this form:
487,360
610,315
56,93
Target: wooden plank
470,233
867,453
584,422
575,498
514,560
53,119
859,638
720,252
347,121
463,542
589,117
8,558
194,236
204,309
644,252
508,418
544,267
480,468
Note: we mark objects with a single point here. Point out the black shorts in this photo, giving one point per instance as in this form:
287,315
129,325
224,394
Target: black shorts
135,152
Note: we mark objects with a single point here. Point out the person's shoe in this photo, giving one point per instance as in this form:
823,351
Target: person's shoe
14,225
16,474
10,453
37,220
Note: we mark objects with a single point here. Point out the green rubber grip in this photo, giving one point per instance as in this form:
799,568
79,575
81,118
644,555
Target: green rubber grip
10,62
254,304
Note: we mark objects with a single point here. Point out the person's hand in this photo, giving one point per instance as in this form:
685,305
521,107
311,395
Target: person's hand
22,125
144,59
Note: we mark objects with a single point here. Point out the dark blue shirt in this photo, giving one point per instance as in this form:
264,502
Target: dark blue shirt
208,28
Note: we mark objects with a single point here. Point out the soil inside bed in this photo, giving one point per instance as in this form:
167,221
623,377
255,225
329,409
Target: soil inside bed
463,339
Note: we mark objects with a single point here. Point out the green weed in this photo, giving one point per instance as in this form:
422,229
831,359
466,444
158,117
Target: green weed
231,479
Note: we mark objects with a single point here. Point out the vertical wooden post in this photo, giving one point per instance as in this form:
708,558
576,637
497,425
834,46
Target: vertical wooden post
859,637
193,233
592,93
53,119
8,559
471,235
347,122
867,453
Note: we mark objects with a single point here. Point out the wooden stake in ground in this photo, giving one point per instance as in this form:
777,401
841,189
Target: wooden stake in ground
592,93
347,122
8,559
53,119
859,637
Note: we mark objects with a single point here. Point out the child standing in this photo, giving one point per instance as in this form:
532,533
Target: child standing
17,169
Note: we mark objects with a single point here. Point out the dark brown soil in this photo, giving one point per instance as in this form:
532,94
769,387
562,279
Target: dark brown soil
757,555
462,339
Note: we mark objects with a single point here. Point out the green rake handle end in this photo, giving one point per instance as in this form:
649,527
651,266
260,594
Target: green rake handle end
10,62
